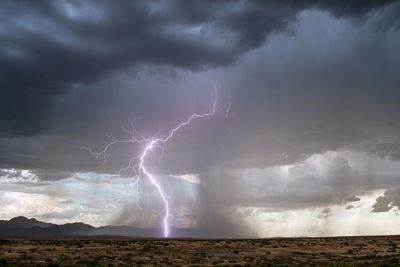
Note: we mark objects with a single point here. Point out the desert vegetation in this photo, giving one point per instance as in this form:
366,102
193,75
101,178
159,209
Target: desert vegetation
332,251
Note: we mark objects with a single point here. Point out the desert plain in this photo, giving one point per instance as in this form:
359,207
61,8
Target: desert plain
327,251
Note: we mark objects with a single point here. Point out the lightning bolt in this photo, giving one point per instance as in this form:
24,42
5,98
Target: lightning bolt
140,169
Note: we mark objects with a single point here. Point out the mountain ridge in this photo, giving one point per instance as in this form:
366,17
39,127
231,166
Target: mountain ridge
32,228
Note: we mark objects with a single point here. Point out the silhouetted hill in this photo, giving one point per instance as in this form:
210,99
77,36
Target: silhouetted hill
76,228
22,222
24,227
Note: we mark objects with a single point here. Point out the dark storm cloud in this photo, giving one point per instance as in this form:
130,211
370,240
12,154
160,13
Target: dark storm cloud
337,8
20,176
46,46
332,98
324,213
352,199
8,174
389,200
390,150
51,175
320,181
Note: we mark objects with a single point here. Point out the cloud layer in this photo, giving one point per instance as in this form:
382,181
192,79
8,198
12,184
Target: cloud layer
313,87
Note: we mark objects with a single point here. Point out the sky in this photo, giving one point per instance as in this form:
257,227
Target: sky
311,145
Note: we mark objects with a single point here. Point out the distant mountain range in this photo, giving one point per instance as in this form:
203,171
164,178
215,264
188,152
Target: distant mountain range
32,228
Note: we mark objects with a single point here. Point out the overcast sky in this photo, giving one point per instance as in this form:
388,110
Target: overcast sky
311,145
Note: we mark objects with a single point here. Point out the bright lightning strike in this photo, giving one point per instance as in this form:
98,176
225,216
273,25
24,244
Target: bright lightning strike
140,168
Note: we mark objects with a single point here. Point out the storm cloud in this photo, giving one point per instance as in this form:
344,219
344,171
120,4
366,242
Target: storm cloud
388,201
48,47
312,85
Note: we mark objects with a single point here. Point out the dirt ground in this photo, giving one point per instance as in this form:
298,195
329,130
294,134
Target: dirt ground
332,251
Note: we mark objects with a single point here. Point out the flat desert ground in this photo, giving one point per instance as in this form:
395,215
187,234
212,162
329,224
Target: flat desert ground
328,251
